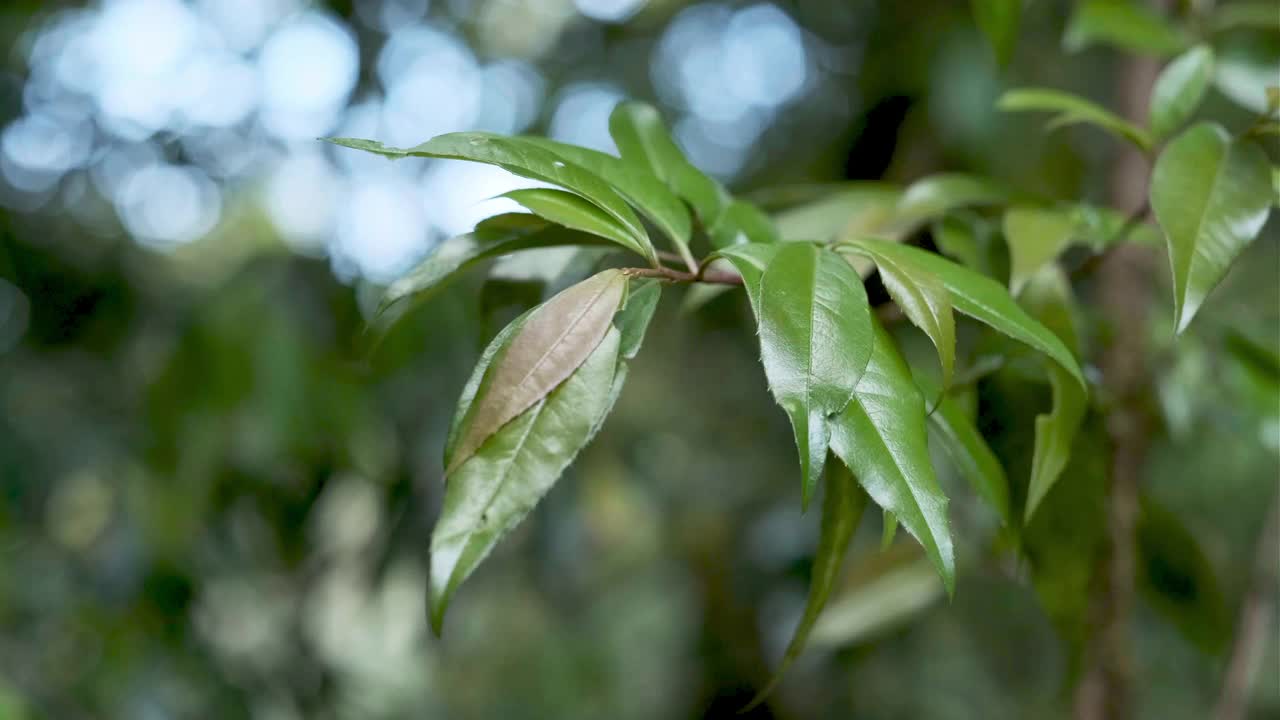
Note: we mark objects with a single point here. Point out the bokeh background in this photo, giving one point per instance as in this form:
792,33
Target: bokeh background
215,501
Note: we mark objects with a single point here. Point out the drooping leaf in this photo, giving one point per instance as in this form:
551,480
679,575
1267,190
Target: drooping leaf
552,342
844,211
1126,24
493,489
498,235
882,437
1048,298
641,137
637,184
998,20
527,159
741,222
1177,579
1211,195
986,301
815,341
842,508
1072,109
968,450
1179,89
922,298
936,195
571,211
1036,236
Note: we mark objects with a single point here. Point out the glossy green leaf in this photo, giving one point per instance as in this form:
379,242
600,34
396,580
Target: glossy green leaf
1036,237
1244,70
922,298
1048,298
496,236
750,261
637,184
842,506
527,159
998,20
1126,24
552,342
883,438
936,195
571,211
641,137
1179,89
815,341
1211,195
492,490
741,223
845,211
986,301
1177,579
1072,109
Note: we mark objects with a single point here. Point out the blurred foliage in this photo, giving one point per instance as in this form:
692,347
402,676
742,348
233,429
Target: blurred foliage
216,498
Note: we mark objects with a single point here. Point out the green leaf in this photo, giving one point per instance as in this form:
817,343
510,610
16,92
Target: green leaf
882,437
890,597
888,531
552,342
1177,579
741,223
1262,14
1244,70
571,211
633,319
527,159
986,301
973,240
750,261
1048,297
637,184
492,490
1179,89
922,298
998,20
815,340
842,508
971,455
1211,195
1072,109
493,237
844,211
1036,237
479,382
935,196
1125,24
641,138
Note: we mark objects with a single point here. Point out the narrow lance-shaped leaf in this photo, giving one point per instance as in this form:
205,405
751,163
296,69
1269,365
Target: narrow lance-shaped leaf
1211,195
493,489
1049,299
968,451
882,437
552,342
641,138
495,236
842,508
923,299
998,20
637,184
527,159
570,210
986,301
1036,236
1072,109
1179,89
815,340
